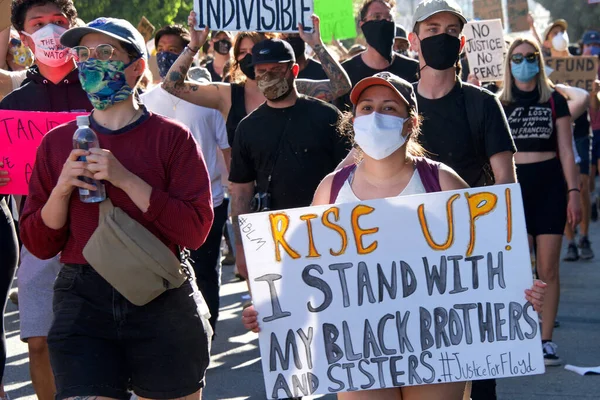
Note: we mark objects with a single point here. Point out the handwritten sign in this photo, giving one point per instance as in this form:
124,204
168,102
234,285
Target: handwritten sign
21,133
488,9
254,15
406,291
579,71
485,49
337,19
517,15
146,29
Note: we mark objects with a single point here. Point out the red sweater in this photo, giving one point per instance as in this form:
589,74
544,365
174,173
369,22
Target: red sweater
161,152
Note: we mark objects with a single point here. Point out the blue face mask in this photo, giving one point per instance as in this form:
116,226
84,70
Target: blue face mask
165,61
525,71
595,50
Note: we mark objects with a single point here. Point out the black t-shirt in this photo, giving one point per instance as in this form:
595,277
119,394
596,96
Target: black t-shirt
447,136
299,144
313,70
210,66
532,123
237,112
402,66
581,127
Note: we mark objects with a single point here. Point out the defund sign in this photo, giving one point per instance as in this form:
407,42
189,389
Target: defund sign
412,290
254,15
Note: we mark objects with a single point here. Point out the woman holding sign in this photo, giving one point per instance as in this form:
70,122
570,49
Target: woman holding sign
225,97
385,126
540,122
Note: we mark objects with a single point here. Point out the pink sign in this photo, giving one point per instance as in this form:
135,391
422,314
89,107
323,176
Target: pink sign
21,133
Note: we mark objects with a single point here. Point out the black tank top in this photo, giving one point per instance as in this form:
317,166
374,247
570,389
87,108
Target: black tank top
237,111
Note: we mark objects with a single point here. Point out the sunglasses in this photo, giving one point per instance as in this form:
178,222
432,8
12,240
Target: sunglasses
529,57
104,52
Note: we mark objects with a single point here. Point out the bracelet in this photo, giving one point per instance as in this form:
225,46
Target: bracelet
574,190
192,50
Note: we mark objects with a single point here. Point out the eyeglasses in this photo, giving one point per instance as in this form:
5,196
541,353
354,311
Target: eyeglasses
529,57
104,52
379,17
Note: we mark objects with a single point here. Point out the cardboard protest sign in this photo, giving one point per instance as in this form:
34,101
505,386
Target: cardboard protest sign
21,133
488,9
146,29
405,291
578,71
254,15
485,49
517,15
5,14
337,19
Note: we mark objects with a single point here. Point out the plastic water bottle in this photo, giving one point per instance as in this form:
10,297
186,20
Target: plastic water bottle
85,139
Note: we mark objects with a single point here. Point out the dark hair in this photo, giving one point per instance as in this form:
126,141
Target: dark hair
176,30
236,74
364,8
19,9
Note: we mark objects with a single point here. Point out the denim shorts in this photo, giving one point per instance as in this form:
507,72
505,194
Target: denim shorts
101,344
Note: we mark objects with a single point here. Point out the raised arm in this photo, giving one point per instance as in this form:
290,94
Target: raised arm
577,99
338,83
213,95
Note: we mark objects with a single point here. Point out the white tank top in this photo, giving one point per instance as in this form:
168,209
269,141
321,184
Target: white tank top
346,194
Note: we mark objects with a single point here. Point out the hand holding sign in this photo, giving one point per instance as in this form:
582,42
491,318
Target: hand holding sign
197,38
312,38
4,178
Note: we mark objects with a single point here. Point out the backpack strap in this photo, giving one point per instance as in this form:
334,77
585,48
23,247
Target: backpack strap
429,171
338,181
553,107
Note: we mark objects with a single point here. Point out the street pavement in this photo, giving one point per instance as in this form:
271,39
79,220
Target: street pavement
235,372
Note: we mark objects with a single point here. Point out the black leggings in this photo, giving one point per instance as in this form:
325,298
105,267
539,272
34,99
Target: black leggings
9,256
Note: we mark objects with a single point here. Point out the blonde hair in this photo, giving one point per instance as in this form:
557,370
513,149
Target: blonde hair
544,85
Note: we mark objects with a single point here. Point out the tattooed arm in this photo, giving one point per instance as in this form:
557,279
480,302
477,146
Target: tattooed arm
213,95
241,200
338,83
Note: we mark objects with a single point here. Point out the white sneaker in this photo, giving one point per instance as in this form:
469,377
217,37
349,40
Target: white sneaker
550,357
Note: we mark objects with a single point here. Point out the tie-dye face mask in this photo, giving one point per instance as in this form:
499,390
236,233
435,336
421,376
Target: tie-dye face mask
104,82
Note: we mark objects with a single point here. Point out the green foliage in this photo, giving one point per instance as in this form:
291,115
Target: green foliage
158,12
578,13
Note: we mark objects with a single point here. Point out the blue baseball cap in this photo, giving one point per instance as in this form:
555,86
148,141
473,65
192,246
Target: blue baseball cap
272,51
119,29
591,37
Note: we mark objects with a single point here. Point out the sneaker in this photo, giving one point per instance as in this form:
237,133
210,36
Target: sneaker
586,249
550,357
572,253
229,259
14,297
594,214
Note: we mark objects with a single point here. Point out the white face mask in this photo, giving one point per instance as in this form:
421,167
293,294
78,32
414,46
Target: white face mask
560,42
48,49
379,135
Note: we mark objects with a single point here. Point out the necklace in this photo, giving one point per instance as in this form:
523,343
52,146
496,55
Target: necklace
174,103
132,118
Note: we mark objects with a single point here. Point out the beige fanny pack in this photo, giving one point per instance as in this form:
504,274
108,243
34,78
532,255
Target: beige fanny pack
129,257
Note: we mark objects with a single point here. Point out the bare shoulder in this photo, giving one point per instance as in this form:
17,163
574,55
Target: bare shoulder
449,179
323,192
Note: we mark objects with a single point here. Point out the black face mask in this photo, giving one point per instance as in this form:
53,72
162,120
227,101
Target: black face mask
298,45
246,67
380,36
440,52
223,46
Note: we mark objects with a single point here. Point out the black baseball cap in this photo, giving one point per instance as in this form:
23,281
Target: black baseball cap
401,33
272,51
400,86
116,28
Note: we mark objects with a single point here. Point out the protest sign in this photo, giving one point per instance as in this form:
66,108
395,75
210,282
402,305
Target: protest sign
488,9
578,71
146,29
337,19
517,15
21,133
5,14
485,49
404,291
254,15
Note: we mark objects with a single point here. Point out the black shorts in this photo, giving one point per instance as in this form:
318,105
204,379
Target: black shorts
544,197
100,344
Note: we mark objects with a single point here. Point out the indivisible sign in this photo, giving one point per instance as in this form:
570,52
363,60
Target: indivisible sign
485,49
337,19
21,133
517,15
578,71
412,290
254,15
488,9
